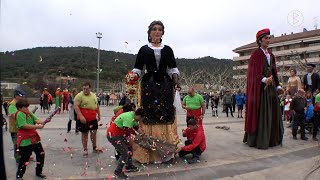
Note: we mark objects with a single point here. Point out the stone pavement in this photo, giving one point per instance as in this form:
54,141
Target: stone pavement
226,157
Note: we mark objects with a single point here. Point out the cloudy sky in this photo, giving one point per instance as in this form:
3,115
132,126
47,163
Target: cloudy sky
192,28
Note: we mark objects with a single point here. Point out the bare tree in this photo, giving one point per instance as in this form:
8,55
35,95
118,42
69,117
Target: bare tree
114,85
190,79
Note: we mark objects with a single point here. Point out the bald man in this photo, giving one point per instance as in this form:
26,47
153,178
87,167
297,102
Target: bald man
195,106
297,106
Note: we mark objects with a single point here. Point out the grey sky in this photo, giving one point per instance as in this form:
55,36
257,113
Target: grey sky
192,28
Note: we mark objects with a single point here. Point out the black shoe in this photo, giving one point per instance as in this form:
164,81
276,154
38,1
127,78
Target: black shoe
232,115
120,175
241,117
41,176
295,138
193,160
132,168
304,138
315,138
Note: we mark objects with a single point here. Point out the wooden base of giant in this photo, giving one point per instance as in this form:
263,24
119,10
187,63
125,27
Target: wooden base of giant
163,132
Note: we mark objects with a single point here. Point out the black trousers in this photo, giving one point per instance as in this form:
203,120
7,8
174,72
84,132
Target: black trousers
299,119
124,148
25,153
316,121
196,152
228,106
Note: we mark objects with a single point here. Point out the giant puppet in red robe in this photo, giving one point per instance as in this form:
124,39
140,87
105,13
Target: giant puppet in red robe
263,124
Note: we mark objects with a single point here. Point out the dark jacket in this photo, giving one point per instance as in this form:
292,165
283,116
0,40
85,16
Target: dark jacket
315,80
298,104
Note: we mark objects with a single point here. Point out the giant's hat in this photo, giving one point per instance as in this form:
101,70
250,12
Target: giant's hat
263,32
313,65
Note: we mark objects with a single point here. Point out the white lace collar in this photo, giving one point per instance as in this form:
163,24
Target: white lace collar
152,47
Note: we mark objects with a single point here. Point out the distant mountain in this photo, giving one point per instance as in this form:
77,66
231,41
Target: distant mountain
81,62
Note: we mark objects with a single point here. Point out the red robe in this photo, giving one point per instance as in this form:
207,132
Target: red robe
254,78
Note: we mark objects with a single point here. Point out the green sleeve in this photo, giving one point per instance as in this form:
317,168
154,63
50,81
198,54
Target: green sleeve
184,99
128,123
201,99
34,117
12,109
21,120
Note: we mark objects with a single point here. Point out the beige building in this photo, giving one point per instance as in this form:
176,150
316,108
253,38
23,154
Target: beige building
290,50
6,85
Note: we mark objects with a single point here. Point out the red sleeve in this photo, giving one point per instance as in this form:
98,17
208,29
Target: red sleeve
186,132
197,140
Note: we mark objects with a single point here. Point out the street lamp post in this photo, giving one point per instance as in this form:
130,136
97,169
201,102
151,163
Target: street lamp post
60,80
99,36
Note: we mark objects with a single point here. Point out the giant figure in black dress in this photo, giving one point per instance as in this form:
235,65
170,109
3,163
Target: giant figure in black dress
157,91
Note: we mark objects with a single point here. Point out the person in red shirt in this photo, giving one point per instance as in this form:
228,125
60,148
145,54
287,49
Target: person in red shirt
195,143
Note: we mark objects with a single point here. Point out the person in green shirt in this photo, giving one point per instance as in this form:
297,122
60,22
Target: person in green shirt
88,113
119,135
28,140
195,106
18,94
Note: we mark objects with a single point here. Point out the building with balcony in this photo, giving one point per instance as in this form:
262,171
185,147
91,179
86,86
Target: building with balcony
292,50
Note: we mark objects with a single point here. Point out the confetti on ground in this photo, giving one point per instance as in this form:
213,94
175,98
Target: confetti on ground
67,149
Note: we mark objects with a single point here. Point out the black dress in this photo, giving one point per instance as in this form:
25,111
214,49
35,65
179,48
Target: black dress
156,85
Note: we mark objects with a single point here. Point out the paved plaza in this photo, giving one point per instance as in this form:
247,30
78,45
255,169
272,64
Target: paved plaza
226,157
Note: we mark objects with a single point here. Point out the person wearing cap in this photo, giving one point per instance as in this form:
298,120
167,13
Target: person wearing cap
297,106
311,80
309,110
263,124
18,94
